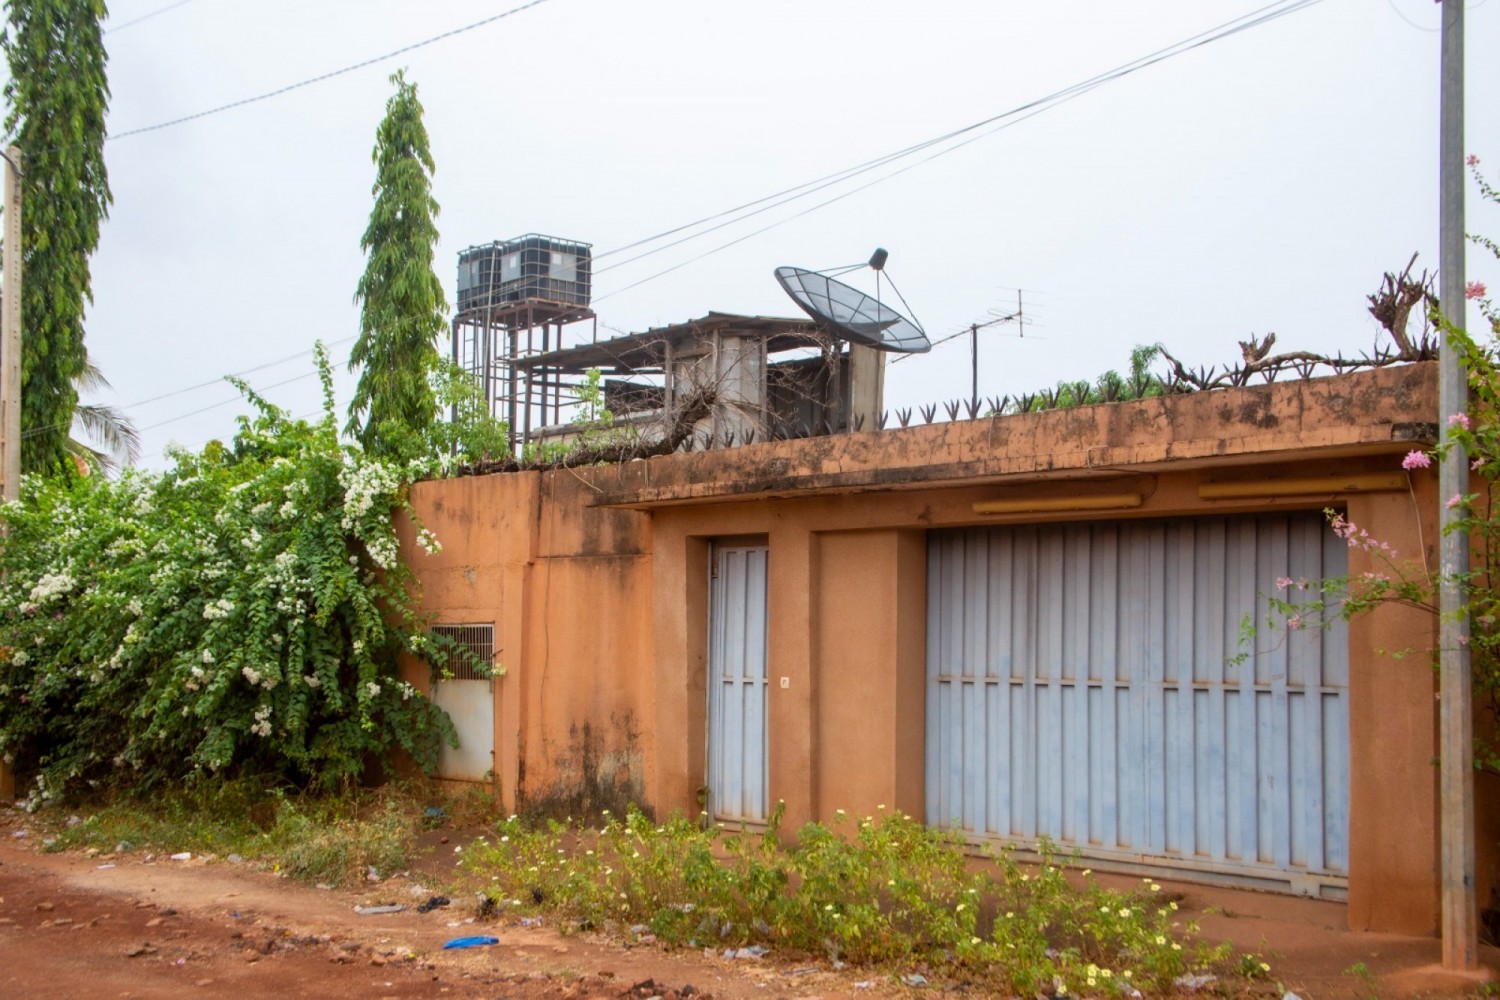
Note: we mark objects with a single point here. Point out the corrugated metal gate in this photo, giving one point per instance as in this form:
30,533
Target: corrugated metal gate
737,755
1082,684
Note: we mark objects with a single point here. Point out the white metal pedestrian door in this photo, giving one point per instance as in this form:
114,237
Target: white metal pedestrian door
467,694
737,757
1088,683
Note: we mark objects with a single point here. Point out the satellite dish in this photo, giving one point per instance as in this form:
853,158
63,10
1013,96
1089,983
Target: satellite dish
851,313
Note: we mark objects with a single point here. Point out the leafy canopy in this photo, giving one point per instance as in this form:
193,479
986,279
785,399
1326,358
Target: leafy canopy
237,615
58,95
402,303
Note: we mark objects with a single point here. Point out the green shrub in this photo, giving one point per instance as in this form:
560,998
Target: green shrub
239,614
889,891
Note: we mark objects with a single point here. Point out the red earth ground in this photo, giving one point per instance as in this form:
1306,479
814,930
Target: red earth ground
131,927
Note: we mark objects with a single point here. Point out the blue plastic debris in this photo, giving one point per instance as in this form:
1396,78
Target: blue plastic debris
471,942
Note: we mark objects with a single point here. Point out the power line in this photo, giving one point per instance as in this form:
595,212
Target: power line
242,102
239,374
201,385
1252,19
162,454
226,402
1019,113
145,17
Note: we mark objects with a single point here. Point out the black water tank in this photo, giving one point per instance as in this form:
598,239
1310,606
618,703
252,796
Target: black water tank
528,267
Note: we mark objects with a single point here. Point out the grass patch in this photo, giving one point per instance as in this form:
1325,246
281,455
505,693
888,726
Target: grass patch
332,839
883,891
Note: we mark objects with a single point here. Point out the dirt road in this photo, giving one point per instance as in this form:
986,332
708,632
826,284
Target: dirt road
135,926
123,926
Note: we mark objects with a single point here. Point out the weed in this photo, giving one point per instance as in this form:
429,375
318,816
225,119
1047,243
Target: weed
331,839
875,891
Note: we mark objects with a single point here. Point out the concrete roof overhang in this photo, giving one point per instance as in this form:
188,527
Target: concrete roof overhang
648,350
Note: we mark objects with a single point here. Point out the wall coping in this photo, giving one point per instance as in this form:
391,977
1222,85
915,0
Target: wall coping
1380,411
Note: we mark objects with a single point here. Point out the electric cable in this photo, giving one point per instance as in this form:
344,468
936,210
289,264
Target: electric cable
144,17
193,388
1244,22
320,78
226,402
1251,19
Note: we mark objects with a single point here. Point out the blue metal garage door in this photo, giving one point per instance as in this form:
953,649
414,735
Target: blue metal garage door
1088,683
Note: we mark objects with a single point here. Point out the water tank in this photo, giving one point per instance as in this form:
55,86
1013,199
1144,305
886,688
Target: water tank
528,267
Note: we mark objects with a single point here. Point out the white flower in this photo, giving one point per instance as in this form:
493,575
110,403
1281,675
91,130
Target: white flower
372,688
208,656
21,658
251,674
218,609
51,585
134,607
311,680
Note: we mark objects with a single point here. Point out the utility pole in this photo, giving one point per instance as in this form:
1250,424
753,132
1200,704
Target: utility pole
10,368
1456,720
10,334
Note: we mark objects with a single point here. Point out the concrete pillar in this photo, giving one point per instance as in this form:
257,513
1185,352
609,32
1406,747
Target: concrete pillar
866,386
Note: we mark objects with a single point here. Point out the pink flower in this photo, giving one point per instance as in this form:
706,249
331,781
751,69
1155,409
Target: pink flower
1463,640
1416,460
1283,582
1475,290
1459,420
1455,500
1294,622
1472,160
1476,464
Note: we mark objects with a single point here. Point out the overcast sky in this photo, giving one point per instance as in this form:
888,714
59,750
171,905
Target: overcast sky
1261,183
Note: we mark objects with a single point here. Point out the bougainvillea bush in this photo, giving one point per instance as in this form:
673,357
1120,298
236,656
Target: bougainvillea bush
238,614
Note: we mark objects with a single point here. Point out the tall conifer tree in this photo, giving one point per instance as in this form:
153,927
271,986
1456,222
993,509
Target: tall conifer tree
402,303
58,95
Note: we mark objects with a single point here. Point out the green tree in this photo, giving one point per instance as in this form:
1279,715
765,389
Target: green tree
402,304
119,444
58,95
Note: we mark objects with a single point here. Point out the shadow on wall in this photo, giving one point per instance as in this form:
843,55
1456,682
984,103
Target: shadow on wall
599,770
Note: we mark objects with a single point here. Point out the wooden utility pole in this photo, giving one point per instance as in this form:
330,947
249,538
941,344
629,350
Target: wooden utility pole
10,367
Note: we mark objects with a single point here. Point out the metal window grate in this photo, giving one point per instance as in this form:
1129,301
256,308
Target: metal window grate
474,655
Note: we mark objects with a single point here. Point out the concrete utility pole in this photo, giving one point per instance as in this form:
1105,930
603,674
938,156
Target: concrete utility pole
10,367
1456,761
10,334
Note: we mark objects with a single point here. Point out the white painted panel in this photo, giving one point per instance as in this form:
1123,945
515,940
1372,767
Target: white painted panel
471,706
